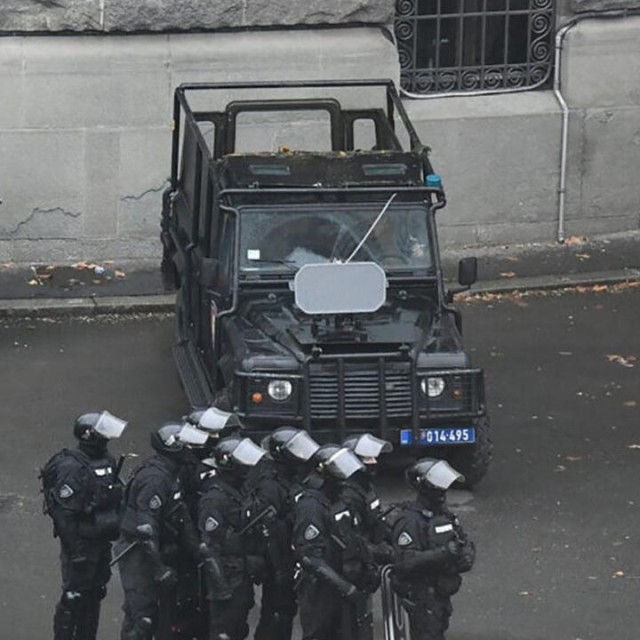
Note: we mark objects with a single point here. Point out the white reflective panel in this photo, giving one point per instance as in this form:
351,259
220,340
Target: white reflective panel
109,426
443,475
191,435
214,419
354,287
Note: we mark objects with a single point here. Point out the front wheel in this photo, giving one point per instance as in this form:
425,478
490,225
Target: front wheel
473,460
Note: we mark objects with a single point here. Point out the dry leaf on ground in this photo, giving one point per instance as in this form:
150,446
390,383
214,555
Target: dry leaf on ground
622,360
508,274
574,240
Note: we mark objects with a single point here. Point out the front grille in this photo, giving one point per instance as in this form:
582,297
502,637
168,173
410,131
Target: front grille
367,387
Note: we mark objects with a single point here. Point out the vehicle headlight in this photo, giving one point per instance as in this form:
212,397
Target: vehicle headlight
279,389
432,387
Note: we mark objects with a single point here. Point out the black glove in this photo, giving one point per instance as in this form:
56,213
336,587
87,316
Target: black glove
383,553
454,547
166,577
256,568
353,594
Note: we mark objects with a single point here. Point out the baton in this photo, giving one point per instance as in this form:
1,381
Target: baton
124,552
270,510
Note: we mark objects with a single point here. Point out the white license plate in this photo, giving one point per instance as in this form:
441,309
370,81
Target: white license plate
449,435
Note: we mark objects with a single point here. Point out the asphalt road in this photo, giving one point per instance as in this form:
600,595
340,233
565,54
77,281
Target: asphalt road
555,521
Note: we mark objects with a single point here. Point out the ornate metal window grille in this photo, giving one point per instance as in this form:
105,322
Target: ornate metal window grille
449,46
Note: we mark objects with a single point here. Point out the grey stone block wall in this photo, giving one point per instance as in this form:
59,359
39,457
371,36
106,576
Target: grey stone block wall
85,125
177,15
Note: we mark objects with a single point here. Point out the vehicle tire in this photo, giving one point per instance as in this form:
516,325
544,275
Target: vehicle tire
473,461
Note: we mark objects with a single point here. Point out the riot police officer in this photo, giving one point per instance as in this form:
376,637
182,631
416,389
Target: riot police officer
276,481
82,495
361,496
325,596
233,563
214,424
431,549
155,519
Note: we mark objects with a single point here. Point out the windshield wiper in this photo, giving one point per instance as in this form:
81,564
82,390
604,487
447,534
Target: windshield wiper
287,263
371,228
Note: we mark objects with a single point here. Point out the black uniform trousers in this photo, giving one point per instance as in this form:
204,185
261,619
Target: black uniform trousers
141,594
230,616
277,610
321,609
77,617
429,614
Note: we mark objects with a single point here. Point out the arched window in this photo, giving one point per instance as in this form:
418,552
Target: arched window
450,46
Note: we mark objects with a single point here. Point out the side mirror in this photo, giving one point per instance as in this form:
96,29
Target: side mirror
468,271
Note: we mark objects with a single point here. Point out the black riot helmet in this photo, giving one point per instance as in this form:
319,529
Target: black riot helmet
367,447
215,422
431,478
93,431
236,455
165,440
290,444
336,462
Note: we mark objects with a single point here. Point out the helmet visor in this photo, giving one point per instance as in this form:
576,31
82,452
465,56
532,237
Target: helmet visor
343,464
214,419
248,453
192,436
369,446
109,426
439,474
302,446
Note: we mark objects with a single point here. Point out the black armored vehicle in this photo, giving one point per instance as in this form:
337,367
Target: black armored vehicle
310,290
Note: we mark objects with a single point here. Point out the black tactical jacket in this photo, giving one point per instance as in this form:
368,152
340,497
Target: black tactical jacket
154,496
82,495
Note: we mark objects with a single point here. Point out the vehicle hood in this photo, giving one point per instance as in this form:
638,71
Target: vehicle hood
276,334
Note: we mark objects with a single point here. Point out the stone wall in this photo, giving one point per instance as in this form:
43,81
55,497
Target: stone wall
85,125
109,16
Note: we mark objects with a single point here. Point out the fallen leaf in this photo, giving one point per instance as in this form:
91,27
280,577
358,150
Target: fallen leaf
508,274
573,240
583,256
524,593
560,468
33,283
119,274
573,458
599,287
620,360
630,403
618,574
512,259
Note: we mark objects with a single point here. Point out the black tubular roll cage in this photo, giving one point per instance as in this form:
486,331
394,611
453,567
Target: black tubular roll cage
181,103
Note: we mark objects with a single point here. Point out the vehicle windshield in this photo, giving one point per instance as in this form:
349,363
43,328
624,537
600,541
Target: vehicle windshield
286,238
